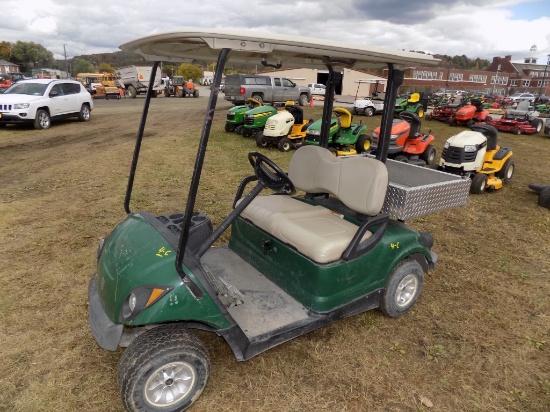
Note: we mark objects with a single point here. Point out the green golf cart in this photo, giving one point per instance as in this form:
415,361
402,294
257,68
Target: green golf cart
294,263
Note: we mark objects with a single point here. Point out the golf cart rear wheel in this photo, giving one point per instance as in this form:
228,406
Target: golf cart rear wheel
544,197
284,145
479,184
402,289
507,171
369,111
165,368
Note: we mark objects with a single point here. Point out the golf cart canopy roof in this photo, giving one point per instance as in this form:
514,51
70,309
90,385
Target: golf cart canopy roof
249,47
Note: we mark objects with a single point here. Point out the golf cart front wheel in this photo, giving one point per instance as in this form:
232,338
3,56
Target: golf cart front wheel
402,289
165,368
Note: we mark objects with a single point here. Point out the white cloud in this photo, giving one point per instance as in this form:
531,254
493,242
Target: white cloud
437,26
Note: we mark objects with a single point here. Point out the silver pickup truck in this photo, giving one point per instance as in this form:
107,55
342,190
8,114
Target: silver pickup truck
239,87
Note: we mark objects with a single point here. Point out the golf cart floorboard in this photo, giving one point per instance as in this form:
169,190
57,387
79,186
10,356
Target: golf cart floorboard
266,306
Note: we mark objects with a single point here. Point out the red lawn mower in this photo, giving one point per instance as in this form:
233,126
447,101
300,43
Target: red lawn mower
521,120
407,144
444,112
470,114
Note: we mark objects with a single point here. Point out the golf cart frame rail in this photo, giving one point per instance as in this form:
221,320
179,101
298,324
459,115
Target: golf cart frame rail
249,48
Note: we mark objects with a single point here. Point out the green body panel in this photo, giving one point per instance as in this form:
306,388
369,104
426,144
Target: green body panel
322,288
260,116
238,114
135,254
403,104
345,137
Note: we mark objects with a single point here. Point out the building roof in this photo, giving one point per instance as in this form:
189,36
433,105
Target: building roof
6,63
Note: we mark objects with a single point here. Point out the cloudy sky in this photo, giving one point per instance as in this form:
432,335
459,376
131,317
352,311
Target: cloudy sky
472,27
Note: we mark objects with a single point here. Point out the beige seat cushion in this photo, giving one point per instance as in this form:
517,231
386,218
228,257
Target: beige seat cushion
315,231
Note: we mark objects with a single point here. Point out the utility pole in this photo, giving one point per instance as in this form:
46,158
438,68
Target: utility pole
66,64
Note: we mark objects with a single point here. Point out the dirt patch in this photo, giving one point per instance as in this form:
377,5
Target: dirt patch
477,340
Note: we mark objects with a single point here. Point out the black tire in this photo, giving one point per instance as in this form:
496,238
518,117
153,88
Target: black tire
132,92
285,145
544,197
239,129
85,113
402,288
488,119
333,151
452,122
516,131
507,171
469,123
195,93
537,124
369,111
355,111
180,93
401,158
258,97
42,120
229,128
429,116
155,93
363,144
159,353
247,132
261,140
429,155
479,184
303,100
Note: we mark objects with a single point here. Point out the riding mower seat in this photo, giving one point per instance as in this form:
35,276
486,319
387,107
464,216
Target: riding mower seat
415,98
457,102
344,117
490,132
522,110
296,112
360,183
478,104
413,120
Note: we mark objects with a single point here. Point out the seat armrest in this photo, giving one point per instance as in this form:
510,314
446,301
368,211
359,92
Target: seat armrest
357,248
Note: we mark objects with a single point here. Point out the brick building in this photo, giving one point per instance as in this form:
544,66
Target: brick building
7,67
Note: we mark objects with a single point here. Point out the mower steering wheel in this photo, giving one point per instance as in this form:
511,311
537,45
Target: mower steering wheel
269,174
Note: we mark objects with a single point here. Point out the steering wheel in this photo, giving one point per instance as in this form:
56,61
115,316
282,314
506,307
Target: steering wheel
269,174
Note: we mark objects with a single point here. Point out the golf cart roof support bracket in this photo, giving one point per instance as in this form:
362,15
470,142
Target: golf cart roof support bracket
277,65
333,79
139,138
201,153
395,79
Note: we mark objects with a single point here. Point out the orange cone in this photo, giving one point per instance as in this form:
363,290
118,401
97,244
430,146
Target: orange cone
311,101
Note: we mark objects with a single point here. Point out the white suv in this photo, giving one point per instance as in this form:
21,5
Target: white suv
39,101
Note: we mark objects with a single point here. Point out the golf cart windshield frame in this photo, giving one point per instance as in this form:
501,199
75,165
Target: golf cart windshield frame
253,48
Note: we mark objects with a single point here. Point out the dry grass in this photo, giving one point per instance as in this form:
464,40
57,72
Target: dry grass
477,340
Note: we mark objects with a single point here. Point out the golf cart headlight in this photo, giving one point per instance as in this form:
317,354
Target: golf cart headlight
141,298
470,148
447,145
19,106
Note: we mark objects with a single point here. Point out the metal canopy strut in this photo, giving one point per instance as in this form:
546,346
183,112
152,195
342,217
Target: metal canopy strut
395,79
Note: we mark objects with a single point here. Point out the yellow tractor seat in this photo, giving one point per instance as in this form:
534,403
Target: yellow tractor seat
415,97
344,117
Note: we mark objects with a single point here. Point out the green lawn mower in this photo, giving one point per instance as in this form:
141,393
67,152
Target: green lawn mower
345,137
411,104
235,116
256,118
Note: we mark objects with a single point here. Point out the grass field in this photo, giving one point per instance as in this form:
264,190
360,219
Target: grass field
477,339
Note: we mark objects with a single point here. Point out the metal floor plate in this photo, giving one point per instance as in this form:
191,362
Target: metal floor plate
266,306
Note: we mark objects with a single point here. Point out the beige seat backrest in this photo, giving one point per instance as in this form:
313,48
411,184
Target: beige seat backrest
359,182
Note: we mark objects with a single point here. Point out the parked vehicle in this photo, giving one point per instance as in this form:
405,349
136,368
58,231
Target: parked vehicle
256,118
521,120
235,116
6,80
345,137
239,87
369,105
294,262
447,110
317,88
135,79
410,104
41,101
518,97
285,130
179,87
476,154
407,143
470,114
